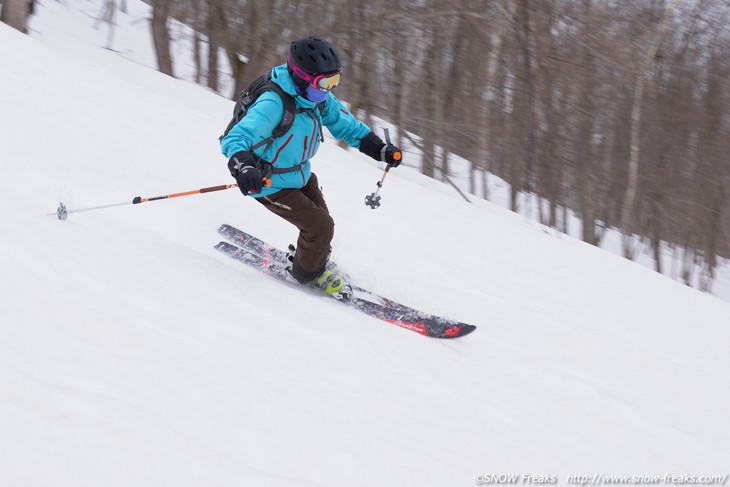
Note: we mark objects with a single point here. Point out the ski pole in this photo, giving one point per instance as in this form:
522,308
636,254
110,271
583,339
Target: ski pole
373,200
139,199
62,212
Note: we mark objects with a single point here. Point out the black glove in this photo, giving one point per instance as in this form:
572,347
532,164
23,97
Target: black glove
249,180
244,166
373,146
392,155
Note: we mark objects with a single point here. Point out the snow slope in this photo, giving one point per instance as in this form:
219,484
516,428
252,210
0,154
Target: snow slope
133,354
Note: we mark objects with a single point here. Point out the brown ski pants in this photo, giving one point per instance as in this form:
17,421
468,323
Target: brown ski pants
306,209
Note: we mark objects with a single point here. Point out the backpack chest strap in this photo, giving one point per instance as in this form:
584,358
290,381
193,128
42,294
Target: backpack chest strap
284,170
268,169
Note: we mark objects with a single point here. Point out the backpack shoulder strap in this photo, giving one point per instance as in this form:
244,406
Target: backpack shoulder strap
290,109
247,98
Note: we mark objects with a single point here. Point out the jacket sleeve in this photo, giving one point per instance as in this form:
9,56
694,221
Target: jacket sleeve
342,124
258,124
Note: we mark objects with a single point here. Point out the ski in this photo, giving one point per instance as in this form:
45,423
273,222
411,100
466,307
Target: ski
271,261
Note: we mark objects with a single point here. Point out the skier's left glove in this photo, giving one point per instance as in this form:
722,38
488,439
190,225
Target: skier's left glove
391,154
373,146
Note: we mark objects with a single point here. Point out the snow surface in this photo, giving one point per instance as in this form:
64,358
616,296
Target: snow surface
134,354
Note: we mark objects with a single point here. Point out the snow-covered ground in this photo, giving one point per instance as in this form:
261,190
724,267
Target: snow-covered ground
134,354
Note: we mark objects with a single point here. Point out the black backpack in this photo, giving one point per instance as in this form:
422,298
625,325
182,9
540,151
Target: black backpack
249,95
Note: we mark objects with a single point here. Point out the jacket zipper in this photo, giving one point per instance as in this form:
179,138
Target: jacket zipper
304,152
317,133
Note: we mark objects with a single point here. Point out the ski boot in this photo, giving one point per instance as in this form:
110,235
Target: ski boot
331,282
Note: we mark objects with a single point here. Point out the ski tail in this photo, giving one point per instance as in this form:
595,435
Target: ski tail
253,244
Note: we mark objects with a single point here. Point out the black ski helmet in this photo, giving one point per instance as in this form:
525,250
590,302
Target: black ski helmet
314,55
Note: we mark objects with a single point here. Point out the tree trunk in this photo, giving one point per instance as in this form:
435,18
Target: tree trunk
212,30
495,49
161,35
586,155
110,20
632,184
15,14
198,26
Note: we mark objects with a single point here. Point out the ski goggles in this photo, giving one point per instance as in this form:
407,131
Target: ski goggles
323,82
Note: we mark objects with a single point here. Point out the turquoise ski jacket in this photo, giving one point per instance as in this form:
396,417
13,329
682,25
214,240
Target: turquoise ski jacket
302,140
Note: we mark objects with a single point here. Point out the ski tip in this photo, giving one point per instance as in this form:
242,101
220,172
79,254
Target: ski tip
456,331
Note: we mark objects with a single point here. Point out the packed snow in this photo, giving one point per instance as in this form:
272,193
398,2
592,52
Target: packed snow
134,354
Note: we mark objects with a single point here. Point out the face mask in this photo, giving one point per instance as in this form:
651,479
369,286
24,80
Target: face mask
315,95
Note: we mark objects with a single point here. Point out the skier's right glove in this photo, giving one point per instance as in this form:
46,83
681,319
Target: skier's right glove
244,167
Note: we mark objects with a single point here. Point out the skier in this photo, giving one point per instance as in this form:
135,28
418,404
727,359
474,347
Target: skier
278,173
